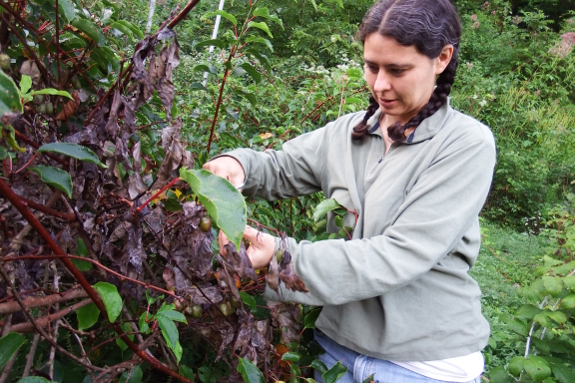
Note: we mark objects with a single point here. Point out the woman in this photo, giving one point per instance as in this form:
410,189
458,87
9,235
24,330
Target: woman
398,300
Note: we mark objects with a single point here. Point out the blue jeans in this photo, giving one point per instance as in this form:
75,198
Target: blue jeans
360,367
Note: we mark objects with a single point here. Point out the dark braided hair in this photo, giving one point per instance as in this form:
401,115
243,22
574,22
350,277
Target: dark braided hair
427,25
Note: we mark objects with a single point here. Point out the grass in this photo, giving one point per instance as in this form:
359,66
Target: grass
506,263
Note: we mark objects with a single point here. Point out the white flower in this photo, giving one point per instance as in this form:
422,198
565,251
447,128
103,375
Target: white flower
475,97
482,103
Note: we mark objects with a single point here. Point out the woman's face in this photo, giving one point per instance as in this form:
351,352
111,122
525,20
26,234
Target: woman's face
400,78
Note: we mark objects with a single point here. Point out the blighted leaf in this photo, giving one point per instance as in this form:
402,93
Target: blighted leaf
250,372
288,276
111,298
53,176
78,152
9,344
324,207
9,97
87,316
334,373
252,72
69,108
223,202
88,28
261,25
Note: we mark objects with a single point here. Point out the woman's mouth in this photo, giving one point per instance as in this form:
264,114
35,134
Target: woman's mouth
387,103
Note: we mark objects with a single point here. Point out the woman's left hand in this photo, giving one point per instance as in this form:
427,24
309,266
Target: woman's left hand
261,248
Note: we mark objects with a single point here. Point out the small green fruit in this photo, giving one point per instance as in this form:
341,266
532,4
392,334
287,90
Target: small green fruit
41,109
226,309
49,108
4,61
178,305
206,224
236,303
197,311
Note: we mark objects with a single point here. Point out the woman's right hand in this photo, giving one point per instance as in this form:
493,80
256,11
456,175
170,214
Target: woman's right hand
228,168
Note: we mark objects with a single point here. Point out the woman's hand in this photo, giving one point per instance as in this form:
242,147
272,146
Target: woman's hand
261,248
228,168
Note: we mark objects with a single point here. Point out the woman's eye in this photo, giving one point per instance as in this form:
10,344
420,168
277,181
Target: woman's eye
373,69
397,72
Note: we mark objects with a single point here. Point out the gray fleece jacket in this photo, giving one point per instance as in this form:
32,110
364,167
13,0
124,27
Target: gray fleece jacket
400,289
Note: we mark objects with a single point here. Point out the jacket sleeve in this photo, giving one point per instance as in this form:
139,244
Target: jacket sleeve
299,169
434,216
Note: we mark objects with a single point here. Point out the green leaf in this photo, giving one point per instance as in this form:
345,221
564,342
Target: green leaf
253,72
563,374
135,376
206,43
550,318
291,356
25,84
499,375
178,351
537,368
35,379
3,153
122,27
265,13
324,207
569,282
87,316
553,285
126,328
55,177
334,373
568,302
76,151
516,365
223,202
186,372
314,4
227,15
82,251
263,59
368,379
319,365
311,317
261,25
135,30
52,92
88,27
173,315
142,324
112,300
9,96
67,8
169,331
9,344
151,300
248,300
518,327
260,40
250,372
527,312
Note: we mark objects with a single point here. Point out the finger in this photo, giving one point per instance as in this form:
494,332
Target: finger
222,242
252,234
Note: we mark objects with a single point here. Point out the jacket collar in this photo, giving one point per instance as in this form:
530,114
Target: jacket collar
426,130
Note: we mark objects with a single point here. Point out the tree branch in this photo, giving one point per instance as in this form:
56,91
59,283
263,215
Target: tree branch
32,302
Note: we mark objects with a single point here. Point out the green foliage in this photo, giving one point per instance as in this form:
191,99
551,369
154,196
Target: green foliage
9,344
112,300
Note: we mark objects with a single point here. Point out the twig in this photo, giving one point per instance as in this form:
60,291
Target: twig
30,356
39,329
56,287
47,319
97,264
528,345
33,302
9,194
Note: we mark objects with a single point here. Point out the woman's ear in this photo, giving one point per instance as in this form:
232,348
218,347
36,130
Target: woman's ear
444,58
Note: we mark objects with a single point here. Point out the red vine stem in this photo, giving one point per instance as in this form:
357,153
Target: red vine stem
36,146
46,210
36,225
97,264
218,105
140,208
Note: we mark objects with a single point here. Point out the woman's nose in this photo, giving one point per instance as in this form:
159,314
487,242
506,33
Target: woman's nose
382,82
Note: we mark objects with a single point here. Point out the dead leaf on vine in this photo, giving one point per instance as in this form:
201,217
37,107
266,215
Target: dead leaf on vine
69,108
287,275
285,317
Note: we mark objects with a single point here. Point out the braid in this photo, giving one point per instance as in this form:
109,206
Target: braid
438,98
360,131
